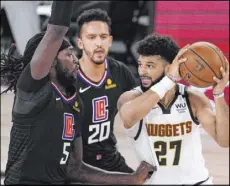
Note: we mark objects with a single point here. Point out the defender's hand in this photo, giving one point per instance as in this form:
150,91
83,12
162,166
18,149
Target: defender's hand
219,87
144,172
174,67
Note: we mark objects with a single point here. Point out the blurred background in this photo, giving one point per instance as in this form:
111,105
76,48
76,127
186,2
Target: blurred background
186,21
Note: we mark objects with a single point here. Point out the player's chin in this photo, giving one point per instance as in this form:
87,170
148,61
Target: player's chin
99,61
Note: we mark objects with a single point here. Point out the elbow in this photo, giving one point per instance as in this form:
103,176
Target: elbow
126,119
55,31
223,143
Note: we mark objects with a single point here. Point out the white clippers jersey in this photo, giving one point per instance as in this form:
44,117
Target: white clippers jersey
173,133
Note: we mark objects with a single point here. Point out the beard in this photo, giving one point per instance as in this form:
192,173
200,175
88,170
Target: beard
91,56
144,89
63,76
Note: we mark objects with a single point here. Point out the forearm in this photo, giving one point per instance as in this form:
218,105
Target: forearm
135,110
222,122
47,49
89,174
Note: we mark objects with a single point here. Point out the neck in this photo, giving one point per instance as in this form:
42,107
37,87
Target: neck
91,70
60,87
168,96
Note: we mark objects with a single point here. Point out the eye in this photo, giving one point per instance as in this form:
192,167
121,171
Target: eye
151,66
104,36
91,37
140,65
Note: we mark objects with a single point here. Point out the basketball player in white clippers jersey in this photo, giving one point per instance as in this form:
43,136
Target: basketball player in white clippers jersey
164,117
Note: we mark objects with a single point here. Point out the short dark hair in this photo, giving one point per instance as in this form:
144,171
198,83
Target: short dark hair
92,15
156,44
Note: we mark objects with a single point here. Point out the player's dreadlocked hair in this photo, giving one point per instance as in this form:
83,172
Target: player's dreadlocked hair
155,44
12,66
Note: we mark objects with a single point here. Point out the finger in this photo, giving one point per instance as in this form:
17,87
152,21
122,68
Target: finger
181,52
216,79
227,65
182,60
222,72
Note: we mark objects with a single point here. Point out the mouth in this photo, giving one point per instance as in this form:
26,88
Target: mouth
145,80
99,52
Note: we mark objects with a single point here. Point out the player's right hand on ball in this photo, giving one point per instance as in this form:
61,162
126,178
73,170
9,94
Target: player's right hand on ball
174,67
144,172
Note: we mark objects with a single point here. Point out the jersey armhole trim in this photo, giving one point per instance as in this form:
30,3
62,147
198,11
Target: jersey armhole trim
190,108
139,130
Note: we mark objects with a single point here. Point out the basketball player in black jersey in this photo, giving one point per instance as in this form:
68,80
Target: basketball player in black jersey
45,140
101,80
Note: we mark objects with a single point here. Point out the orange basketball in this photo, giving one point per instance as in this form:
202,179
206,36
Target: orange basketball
204,60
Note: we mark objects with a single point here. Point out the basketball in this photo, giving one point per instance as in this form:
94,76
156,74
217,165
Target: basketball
204,60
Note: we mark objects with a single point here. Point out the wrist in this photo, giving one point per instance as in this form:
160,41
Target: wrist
218,95
163,86
173,78
61,12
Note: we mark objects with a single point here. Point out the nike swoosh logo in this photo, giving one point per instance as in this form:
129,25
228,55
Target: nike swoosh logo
57,99
81,90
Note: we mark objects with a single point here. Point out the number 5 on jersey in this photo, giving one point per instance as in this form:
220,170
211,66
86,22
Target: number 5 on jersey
68,134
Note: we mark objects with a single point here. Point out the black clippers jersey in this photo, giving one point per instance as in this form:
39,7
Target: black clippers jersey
100,106
45,123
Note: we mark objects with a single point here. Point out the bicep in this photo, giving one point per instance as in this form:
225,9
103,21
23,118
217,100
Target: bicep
126,97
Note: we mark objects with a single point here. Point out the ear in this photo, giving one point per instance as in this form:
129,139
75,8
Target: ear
79,43
167,67
110,41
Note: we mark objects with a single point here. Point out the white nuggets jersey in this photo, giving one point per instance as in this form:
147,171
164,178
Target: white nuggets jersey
174,135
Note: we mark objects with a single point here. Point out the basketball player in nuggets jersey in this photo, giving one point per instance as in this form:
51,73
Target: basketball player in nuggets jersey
170,114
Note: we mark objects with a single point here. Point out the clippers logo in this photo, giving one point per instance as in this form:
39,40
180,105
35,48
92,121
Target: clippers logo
68,131
100,113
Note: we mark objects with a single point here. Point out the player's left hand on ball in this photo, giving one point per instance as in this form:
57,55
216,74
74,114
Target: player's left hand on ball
221,83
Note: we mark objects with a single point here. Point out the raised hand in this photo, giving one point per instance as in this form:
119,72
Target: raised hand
174,67
219,87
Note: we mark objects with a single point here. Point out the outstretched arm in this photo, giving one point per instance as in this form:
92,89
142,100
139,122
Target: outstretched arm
78,171
215,123
47,49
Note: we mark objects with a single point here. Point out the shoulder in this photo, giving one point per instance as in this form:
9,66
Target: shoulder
197,99
128,96
115,64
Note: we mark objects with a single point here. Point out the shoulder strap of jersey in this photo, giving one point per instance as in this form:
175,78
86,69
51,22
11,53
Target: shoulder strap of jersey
139,130
181,89
189,106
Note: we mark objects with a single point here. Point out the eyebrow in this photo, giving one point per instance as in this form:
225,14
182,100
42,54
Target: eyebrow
148,62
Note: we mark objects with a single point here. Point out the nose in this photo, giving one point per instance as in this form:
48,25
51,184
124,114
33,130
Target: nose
98,41
142,71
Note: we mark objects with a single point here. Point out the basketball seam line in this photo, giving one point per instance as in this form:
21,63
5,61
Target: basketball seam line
195,75
216,53
203,60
